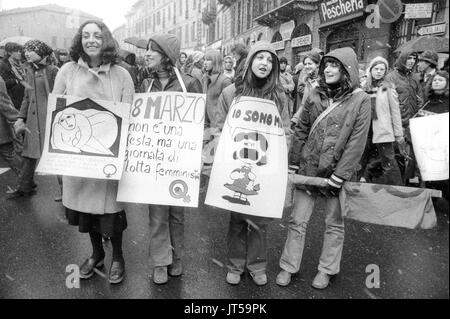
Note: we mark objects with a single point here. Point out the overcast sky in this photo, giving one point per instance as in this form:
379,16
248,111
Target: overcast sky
112,12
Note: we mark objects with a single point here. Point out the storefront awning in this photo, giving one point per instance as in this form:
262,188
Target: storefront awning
286,12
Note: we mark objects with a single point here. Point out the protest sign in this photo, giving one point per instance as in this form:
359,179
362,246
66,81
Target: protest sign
430,141
84,138
163,158
249,174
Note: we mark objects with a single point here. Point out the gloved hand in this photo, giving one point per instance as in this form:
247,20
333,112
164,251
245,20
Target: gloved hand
333,188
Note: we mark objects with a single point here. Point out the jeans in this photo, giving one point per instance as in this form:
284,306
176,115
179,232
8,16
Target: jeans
26,176
333,243
14,161
166,234
247,243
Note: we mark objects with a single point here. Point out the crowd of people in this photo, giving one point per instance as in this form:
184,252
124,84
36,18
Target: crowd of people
341,123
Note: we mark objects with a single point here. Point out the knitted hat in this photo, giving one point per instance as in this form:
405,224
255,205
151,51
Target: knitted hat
429,56
41,48
169,44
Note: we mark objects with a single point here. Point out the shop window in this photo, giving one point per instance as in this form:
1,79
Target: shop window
345,36
298,52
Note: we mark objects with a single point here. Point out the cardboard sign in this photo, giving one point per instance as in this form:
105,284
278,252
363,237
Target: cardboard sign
430,141
84,138
163,158
249,174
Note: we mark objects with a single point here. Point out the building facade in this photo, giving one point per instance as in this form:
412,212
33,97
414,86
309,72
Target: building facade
33,22
183,18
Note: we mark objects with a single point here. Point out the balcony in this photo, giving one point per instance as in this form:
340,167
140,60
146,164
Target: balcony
209,16
287,11
226,2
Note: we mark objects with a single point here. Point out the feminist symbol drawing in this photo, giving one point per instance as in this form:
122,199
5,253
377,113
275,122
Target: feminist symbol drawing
179,190
88,131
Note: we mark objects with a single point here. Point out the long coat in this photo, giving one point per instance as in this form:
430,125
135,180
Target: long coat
110,83
8,115
34,107
15,90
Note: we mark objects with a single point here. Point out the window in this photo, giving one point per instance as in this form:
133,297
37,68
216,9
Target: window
193,32
54,42
187,33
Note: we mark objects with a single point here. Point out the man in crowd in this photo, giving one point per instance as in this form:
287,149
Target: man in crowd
427,66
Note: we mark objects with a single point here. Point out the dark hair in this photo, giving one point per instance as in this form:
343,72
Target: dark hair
269,88
166,63
13,47
240,48
443,74
338,90
109,51
283,60
183,53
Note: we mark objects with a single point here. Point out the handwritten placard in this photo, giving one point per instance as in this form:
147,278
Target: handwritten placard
249,173
163,158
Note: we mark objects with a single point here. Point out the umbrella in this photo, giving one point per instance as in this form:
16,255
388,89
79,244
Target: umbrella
424,43
137,42
18,39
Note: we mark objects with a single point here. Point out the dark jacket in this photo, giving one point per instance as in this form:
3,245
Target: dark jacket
213,86
409,89
192,84
437,103
34,107
8,115
15,90
338,142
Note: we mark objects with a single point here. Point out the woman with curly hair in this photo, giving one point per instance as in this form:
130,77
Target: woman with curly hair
91,204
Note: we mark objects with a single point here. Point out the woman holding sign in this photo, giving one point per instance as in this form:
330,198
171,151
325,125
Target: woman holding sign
91,204
247,243
329,141
166,222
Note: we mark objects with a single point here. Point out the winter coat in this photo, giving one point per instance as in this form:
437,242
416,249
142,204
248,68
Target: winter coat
229,94
8,115
387,124
409,89
191,83
213,86
110,83
15,90
437,104
196,73
338,142
308,85
34,106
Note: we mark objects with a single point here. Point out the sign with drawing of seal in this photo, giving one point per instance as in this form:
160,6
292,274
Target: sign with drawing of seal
84,138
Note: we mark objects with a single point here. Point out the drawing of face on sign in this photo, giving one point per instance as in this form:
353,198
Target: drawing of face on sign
89,131
251,148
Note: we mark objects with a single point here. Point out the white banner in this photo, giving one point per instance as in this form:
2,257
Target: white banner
249,174
163,159
430,141
84,138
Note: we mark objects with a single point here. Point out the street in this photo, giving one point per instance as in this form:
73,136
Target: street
36,247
